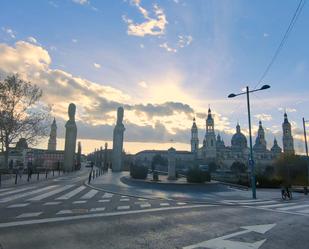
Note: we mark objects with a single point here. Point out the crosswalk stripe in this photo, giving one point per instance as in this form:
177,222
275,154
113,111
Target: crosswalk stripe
306,211
71,194
123,207
5,189
79,202
21,195
277,205
51,193
28,215
104,200
90,194
145,205
107,195
258,203
51,203
125,199
164,204
97,209
64,212
18,205
181,203
293,207
16,191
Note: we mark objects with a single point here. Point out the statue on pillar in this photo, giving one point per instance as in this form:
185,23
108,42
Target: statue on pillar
118,141
70,139
171,164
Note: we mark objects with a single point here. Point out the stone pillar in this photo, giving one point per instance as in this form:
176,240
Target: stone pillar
70,140
172,164
118,142
79,155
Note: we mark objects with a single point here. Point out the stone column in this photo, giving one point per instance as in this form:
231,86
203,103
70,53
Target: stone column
118,142
70,140
171,164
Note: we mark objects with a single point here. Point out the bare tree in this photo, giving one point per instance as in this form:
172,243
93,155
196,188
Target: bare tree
21,113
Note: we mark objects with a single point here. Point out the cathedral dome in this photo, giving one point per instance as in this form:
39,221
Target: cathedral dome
239,141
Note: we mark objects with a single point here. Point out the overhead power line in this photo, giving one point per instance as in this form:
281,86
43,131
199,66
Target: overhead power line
283,41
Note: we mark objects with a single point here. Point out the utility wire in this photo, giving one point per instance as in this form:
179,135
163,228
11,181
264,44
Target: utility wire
283,41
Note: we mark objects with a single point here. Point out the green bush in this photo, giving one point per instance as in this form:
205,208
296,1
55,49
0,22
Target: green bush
196,175
268,182
138,171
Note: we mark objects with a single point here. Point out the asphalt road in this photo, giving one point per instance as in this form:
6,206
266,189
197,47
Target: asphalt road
64,213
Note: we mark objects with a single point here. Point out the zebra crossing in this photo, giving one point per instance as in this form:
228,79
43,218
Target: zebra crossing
36,202
293,206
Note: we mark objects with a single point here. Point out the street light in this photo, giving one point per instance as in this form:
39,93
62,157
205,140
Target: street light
306,147
251,161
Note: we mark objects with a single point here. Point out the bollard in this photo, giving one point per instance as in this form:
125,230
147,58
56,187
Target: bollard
38,176
28,178
53,172
16,178
46,174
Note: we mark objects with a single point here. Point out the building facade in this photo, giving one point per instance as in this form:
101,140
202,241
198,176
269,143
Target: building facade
214,149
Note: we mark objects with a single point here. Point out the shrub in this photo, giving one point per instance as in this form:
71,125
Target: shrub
138,171
197,176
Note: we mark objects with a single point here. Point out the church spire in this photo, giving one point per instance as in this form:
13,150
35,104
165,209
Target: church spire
194,137
287,138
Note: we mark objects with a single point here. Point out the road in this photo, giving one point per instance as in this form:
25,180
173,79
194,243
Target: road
65,213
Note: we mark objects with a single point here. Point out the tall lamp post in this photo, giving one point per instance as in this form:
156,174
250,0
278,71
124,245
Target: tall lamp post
251,161
306,147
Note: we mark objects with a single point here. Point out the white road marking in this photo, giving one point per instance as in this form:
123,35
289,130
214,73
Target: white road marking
21,195
223,242
106,200
90,194
65,212
28,215
52,203
181,203
293,207
95,215
258,203
164,204
306,211
18,205
123,207
146,205
97,209
125,199
5,189
16,191
142,199
51,193
277,205
71,194
79,202
107,195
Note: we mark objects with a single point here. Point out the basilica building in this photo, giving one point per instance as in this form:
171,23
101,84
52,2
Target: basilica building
213,148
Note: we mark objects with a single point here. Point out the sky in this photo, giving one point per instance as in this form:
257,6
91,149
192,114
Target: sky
164,61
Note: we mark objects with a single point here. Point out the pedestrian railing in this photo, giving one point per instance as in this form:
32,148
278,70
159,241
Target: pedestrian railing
21,175
95,172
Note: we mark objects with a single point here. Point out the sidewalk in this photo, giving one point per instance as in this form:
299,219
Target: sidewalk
121,183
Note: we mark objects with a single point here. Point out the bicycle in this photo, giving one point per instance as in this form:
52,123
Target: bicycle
286,194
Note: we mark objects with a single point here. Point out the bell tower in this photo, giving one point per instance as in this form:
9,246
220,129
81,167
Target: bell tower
52,141
287,138
210,137
194,138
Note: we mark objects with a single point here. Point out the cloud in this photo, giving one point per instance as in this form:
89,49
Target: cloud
168,48
263,117
10,32
74,40
96,65
96,102
155,25
265,34
143,84
32,40
81,2
53,4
